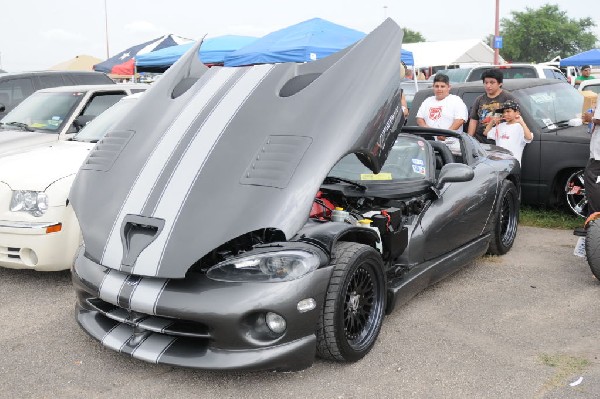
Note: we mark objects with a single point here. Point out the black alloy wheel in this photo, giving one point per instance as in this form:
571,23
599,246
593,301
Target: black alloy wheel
506,218
354,305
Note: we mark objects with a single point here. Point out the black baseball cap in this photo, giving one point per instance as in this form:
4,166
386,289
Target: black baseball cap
586,67
510,104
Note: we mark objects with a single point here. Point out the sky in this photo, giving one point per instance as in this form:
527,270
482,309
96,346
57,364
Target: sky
37,34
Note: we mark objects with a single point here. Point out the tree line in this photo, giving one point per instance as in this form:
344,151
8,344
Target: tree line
537,35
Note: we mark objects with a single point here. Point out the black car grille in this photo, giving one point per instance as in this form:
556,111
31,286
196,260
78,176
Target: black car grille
162,325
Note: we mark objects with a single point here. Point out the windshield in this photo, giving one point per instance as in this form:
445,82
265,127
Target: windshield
456,75
97,128
408,160
508,71
551,105
44,111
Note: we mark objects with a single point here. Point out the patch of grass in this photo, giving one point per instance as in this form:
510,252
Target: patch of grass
549,218
566,366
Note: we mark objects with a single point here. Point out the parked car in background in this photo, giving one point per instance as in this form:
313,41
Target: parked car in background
38,229
570,72
510,71
590,85
15,87
456,75
553,163
58,113
409,89
519,71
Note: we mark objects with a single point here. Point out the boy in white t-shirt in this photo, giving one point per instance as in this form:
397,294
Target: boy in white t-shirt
443,110
512,134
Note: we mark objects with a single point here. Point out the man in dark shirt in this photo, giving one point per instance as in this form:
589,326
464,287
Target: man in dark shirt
485,105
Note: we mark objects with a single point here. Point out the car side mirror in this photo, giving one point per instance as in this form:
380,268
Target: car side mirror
82,120
454,173
2,107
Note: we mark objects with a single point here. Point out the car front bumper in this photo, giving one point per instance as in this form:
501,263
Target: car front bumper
30,245
197,322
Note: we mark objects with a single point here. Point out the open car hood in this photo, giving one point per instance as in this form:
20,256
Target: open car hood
241,149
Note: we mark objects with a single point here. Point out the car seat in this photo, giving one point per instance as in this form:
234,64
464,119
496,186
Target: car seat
442,153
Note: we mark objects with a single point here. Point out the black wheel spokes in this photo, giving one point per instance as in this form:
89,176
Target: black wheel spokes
575,193
359,307
508,220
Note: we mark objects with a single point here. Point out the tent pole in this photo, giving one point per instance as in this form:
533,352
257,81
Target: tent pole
415,76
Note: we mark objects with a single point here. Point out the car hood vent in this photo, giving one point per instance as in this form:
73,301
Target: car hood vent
104,154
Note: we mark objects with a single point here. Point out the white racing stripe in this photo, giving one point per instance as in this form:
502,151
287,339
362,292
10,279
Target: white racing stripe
118,337
153,347
111,286
173,198
149,174
146,295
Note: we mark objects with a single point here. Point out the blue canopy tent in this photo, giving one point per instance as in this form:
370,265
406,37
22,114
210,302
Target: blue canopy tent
306,41
213,51
590,57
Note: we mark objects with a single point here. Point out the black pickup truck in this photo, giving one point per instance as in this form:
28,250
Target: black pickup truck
552,165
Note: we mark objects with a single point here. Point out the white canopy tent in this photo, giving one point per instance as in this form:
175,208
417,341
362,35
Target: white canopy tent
471,51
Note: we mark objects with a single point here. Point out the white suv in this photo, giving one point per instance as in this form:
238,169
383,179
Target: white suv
518,71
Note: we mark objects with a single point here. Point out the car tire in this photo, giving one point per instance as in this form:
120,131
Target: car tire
592,246
506,217
573,193
354,305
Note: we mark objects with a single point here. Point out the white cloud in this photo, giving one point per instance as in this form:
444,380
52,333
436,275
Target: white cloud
143,27
63,36
244,30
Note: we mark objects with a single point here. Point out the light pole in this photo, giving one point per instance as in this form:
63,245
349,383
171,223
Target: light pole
496,34
106,29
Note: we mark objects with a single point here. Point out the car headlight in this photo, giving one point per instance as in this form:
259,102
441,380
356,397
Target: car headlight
265,267
34,202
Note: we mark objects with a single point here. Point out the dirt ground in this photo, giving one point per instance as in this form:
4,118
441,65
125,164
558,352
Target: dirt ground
524,325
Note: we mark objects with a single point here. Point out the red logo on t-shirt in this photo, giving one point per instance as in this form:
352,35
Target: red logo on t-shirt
435,113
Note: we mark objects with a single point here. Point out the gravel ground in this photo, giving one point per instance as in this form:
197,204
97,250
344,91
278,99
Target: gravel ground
524,325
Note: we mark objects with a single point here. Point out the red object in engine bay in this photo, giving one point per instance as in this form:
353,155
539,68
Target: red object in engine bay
321,207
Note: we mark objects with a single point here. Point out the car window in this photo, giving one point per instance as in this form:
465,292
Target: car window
97,128
509,72
408,160
45,111
52,80
457,75
559,75
101,102
550,105
592,88
13,91
548,73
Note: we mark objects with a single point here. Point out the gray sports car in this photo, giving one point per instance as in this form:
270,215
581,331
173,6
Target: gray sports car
250,218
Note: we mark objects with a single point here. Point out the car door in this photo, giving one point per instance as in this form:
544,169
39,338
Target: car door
461,212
